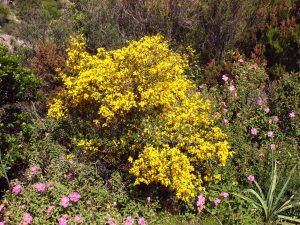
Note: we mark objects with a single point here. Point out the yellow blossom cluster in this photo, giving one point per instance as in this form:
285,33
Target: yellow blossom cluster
141,92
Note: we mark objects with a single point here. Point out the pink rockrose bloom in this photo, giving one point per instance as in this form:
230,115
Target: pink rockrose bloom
148,199
241,61
254,131
129,220
27,218
260,101
224,194
217,201
65,201
1,207
292,114
200,203
270,121
63,220
276,119
1,223
40,187
78,219
226,122
225,78
253,67
273,147
33,170
231,88
251,178
142,221
270,134
111,222
267,110
17,189
201,86
50,209
75,196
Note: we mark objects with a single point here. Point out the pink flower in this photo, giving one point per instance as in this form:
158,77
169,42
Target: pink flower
33,170
1,223
217,201
225,78
276,119
251,178
267,110
65,201
63,220
252,67
292,114
1,207
241,61
260,101
270,134
270,121
41,187
148,199
200,203
17,189
50,209
27,218
129,220
273,147
231,88
226,122
78,219
224,194
111,222
254,131
75,196
141,221
201,86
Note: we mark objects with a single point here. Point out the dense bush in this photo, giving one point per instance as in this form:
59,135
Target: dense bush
139,99
17,88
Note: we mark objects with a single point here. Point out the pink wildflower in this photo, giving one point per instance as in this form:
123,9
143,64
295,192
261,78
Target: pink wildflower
50,209
226,122
260,101
231,88
74,197
273,147
78,219
201,86
252,67
267,110
241,61
251,178
1,223
292,114
276,119
65,201
270,134
141,221
17,189
111,222
33,170
1,207
224,194
41,187
148,199
63,220
200,203
270,121
254,131
129,220
217,201
27,218
225,78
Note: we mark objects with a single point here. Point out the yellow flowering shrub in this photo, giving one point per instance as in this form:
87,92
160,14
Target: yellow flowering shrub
139,98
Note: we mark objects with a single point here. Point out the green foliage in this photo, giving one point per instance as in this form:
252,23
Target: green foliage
272,203
17,88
